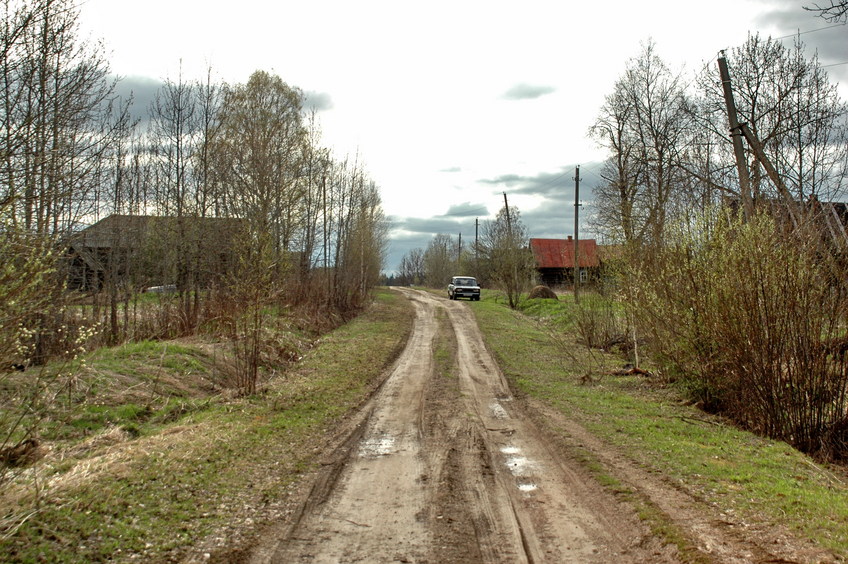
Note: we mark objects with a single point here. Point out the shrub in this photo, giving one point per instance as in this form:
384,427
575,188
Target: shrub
752,317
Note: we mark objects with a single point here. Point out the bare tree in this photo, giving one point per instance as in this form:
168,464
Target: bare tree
259,153
833,11
412,267
363,247
506,255
794,110
208,195
643,124
174,142
439,260
616,198
312,236
117,271
56,115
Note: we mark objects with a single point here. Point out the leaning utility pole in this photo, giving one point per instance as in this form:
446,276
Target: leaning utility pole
736,137
508,220
576,236
510,242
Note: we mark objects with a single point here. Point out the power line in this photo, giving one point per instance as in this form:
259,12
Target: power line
551,181
809,31
796,34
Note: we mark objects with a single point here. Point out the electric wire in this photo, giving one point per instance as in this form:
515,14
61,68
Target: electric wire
796,34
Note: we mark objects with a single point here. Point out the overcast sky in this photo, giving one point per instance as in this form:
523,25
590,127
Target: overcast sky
448,103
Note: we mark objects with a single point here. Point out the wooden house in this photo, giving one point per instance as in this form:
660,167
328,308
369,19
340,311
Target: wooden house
150,250
555,260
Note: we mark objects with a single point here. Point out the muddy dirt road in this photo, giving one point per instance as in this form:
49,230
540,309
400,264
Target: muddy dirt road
443,468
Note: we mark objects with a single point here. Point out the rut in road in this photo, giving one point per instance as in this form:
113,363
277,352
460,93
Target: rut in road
443,469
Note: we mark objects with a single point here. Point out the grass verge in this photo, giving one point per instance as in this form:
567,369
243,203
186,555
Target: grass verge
153,494
743,475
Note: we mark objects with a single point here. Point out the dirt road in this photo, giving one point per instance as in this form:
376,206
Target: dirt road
443,468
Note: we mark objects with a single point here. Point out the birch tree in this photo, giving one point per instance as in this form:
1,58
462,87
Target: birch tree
259,153
55,108
643,124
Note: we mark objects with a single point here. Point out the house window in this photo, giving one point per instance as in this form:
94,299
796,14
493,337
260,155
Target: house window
584,275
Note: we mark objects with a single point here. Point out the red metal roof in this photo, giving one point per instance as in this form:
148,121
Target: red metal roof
559,253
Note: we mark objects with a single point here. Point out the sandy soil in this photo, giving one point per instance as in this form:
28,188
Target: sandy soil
452,468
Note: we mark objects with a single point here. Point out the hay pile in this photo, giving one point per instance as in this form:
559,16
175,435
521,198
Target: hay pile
542,292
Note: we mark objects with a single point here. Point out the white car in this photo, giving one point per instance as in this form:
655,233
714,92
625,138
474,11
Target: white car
464,287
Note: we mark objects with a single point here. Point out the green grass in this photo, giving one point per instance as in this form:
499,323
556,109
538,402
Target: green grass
444,349
197,464
142,356
755,478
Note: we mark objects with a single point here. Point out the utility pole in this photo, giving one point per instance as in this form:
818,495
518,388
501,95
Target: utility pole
511,250
476,246
459,254
736,137
508,220
576,235
324,227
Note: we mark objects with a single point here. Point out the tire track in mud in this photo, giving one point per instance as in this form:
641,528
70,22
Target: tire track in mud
442,469
376,504
544,511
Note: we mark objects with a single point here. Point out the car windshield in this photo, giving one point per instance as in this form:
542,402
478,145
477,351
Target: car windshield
465,282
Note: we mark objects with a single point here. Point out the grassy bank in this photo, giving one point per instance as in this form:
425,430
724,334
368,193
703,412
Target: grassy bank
751,478
146,480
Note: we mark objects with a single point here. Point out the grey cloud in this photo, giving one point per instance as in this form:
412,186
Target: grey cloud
398,247
451,169
433,225
554,216
819,36
785,14
142,90
507,179
551,222
527,92
542,184
467,209
320,101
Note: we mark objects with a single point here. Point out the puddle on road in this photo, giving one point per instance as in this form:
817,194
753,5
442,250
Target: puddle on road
520,466
498,412
375,447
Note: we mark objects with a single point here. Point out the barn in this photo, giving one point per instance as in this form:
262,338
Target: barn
141,250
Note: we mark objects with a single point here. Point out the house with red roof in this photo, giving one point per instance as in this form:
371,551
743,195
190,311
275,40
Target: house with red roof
555,260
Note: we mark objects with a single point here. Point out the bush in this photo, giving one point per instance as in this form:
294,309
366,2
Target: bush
752,317
600,328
